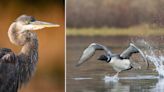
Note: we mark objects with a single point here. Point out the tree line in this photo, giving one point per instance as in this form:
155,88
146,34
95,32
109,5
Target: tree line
114,13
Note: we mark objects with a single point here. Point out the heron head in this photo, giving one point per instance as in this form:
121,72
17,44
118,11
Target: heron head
104,58
20,32
28,23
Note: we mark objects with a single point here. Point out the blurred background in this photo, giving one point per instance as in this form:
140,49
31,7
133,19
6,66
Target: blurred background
111,13
113,23
50,69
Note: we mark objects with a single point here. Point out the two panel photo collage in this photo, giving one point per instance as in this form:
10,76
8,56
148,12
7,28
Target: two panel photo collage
82,46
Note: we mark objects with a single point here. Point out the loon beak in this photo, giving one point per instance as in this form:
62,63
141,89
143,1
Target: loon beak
99,58
102,58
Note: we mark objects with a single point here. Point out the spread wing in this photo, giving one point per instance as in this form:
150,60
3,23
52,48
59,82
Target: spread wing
8,68
90,51
131,50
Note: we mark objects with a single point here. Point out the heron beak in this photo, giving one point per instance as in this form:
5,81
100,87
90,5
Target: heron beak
40,24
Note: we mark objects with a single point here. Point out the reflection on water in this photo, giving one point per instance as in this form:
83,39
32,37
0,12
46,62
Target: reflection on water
123,85
117,87
159,87
81,78
138,77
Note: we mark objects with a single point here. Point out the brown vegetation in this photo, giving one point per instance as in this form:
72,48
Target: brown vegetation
114,13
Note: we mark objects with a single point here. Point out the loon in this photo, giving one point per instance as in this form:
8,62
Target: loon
119,62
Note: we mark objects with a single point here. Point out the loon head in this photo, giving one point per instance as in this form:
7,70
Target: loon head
105,58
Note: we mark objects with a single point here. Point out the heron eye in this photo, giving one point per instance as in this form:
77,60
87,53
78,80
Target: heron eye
27,22
32,20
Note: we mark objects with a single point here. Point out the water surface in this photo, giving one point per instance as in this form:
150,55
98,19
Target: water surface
95,76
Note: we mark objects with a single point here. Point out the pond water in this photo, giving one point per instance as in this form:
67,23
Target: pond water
95,76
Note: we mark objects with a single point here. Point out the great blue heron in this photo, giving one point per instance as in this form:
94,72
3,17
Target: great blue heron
17,69
119,62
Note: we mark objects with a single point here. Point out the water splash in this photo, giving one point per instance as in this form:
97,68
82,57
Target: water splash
154,56
108,78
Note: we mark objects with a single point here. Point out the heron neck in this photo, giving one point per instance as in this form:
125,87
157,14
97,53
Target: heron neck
28,56
30,48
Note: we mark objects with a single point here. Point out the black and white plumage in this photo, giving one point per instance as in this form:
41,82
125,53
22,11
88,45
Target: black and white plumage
119,62
17,69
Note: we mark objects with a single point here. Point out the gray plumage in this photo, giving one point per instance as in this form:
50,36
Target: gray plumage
90,51
17,69
119,62
126,54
